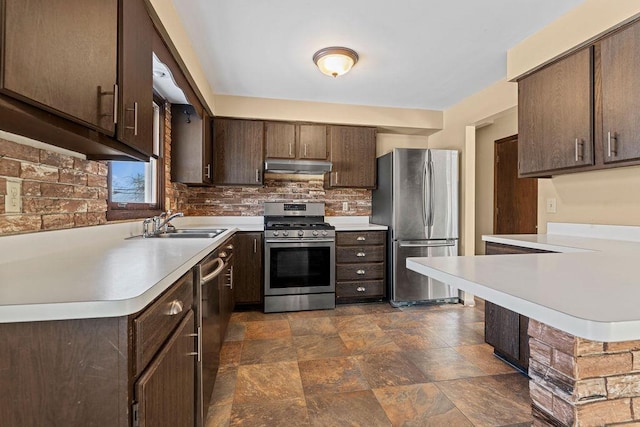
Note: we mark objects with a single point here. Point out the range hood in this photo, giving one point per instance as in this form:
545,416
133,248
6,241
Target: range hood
311,167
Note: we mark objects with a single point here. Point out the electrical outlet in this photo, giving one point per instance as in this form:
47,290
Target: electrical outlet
345,206
551,205
13,201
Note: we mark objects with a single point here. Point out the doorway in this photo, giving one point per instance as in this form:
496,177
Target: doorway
515,209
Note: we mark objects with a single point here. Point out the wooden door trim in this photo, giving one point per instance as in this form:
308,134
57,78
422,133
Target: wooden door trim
510,138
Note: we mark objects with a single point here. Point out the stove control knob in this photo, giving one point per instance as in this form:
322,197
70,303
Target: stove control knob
315,232
300,233
285,233
275,233
324,232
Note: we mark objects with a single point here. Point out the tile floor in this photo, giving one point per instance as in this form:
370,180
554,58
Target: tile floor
365,365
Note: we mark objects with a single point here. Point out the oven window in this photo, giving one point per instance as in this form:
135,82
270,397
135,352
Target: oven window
300,267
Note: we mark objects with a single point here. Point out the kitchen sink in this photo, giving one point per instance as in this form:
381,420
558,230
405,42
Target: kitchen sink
194,233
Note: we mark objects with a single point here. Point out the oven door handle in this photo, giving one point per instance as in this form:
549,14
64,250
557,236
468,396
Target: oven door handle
284,241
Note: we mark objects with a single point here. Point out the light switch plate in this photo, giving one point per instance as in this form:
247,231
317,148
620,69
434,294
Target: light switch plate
13,201
551,205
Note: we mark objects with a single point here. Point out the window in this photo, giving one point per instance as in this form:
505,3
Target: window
135,188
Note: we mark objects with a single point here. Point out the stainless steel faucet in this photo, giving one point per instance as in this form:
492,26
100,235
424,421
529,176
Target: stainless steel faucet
159,226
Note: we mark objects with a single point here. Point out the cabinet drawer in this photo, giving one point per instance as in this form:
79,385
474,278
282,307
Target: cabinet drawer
152,327
367,288
364,271
359,254
360,238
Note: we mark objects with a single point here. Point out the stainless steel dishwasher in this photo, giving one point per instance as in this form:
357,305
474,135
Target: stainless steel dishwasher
214,274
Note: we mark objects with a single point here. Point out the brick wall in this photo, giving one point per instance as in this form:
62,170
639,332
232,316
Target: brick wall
248,201
58,191
575,381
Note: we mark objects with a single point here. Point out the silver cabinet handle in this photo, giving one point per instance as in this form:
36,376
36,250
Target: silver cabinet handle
361,254
579,149
198,337
361,238
255,246
611,149
290,150
361,272
230,276
135,119
361,289
337,178
175,307
305,150
257,175
207,171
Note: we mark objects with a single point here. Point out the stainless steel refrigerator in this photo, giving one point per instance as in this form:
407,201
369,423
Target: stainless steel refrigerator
417,198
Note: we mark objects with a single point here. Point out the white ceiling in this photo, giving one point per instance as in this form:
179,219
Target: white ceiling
413,53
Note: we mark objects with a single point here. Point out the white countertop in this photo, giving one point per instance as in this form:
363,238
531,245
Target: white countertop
590,289
102,272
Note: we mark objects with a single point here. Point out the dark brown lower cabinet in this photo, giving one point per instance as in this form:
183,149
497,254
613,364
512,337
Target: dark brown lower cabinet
93,372
360,266
247,286
165,392
506,330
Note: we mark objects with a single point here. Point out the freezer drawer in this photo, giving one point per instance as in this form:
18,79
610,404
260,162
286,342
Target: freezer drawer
409,286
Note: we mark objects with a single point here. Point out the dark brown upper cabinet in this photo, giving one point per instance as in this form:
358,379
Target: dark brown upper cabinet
295,141
555,116
77,74
238,147
61,56
620,65
135,80
191,145
352,151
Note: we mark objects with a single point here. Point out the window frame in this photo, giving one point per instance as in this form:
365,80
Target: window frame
122,211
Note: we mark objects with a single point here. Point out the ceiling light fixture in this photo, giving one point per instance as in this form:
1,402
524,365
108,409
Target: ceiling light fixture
335,61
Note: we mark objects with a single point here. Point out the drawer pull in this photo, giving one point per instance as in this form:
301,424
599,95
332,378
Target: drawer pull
361,254
361,238
175,307
361,272
361,289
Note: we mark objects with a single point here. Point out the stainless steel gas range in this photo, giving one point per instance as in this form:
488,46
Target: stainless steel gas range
299,260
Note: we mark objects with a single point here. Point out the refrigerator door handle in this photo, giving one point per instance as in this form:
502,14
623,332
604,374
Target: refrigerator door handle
425,220
432,178
427,245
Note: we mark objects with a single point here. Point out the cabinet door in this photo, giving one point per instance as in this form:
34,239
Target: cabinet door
280,140
620,64
238,151
502,330
312,142
353,154
247,281
165,392
61,55
191,145
555,116
135,120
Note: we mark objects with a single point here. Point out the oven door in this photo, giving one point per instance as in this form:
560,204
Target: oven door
300,267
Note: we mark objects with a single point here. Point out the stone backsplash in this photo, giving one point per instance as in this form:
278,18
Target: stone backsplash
248,201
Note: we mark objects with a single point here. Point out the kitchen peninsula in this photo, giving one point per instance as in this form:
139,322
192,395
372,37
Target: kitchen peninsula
584,330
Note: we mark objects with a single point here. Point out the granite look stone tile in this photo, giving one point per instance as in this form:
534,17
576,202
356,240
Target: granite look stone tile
310,314
389,369
441,364
357,409
490,401
416,339
281,413
224,387
476,326
368,342
349,310
419,405
309,347
456,334
400,320
334,375
267,329
313,326
218,416
381,307
256,316
267,351
268,382
230,353
482,356
235,331
358,323
462,314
